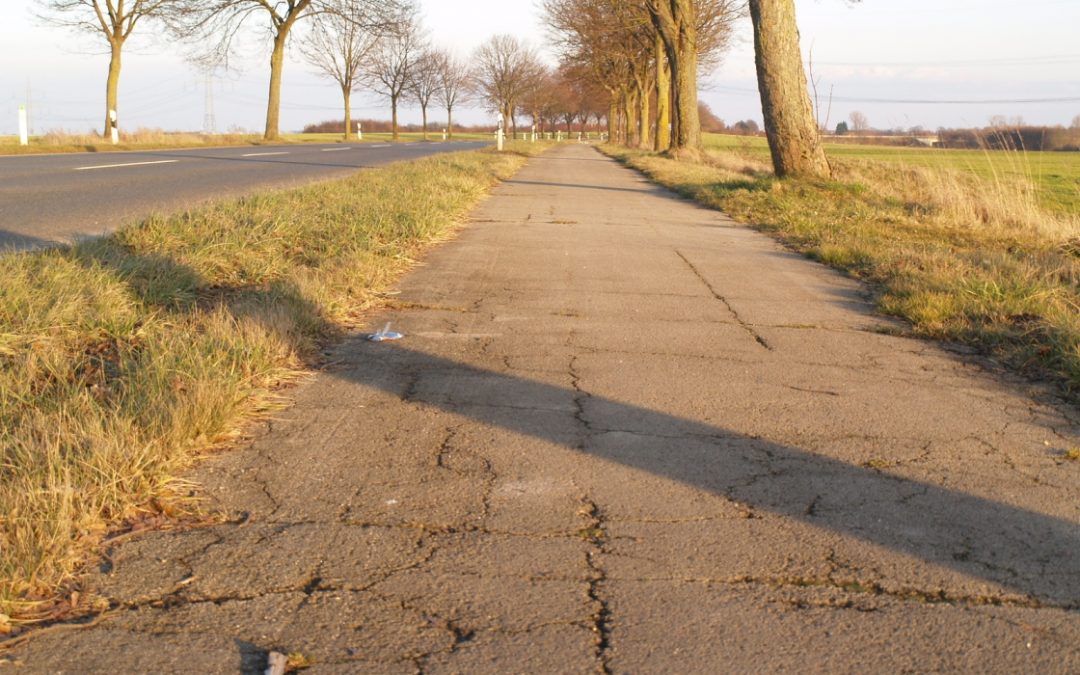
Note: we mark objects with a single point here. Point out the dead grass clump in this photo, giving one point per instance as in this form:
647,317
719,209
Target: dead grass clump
123,358
975,259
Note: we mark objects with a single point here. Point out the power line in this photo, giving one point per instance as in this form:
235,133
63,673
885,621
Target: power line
1060,59
916,101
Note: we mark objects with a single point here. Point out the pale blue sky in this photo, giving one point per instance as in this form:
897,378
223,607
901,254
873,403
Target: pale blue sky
894,61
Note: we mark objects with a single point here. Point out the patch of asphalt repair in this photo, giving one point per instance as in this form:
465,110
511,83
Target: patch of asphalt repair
578,460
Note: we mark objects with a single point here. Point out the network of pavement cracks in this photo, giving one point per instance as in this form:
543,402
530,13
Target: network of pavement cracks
622,434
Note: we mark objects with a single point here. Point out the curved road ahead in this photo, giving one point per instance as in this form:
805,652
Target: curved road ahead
54,198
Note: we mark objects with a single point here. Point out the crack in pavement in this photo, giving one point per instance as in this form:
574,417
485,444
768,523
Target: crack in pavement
716,294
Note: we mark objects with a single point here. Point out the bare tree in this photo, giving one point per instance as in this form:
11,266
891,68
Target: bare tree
214,25
638,49
338,47
390,70
425,81
792,131
1075,123
505,70
114,20
453,87
859,123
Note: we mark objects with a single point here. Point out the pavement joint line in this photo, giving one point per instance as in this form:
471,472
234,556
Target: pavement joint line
264,154
117,166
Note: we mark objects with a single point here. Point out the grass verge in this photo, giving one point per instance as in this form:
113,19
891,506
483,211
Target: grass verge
156,139
122,359
963,258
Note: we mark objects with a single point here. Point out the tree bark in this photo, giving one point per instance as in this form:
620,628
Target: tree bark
273,103
450,123
613,120
663,98
393,118
112,84
348,111
644,115
630,113
676,23
423,112
794,140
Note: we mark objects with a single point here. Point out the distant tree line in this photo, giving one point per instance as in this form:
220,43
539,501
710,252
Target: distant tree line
1057,138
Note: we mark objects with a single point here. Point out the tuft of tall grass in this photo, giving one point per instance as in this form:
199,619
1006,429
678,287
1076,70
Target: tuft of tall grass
123,358
965,257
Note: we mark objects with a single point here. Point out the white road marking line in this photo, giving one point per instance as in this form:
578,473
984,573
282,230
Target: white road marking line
381,145
335,149
116,166
263,154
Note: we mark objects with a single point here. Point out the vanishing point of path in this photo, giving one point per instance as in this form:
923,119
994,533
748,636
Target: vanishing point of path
623,434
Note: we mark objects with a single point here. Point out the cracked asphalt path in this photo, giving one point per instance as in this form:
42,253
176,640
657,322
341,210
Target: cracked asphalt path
623,434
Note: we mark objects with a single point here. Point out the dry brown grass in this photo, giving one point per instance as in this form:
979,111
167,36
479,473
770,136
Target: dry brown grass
124,358
975,259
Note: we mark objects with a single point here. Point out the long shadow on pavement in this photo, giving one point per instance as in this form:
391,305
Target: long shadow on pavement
1026,551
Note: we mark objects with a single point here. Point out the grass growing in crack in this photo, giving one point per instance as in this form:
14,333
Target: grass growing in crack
963,258
125,357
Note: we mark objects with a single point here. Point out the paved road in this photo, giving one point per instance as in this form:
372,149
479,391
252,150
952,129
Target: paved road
623,434
48,198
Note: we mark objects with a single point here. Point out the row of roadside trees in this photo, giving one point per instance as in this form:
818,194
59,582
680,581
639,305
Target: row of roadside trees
634,51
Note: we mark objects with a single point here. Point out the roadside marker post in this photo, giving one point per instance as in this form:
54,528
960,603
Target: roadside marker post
114,131
24,132
359,132
499,133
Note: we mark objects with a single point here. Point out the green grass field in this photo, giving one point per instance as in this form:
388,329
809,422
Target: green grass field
1055,174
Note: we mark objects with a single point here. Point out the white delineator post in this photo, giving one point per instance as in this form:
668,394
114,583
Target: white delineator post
499,134
24,132
444,134
113,129
359,132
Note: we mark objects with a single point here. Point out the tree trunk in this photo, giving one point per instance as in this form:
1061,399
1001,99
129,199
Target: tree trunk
688,134
393,118
644,113
450,123
794,140
613,120
676,23
663,98
112,85
273,104
630,112
423,112
348,111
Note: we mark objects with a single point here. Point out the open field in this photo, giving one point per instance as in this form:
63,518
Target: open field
1056,174
159,140
963,257
123,358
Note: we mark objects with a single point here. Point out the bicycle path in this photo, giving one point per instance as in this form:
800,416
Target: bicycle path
622,434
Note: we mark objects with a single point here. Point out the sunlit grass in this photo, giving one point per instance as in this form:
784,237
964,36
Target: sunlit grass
157,139
964,257
125,357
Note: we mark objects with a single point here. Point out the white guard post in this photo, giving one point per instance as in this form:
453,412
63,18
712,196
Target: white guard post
359,132
24,138
444,134
114,131
499,133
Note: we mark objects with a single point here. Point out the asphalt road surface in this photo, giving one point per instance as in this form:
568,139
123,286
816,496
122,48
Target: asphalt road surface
57,198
